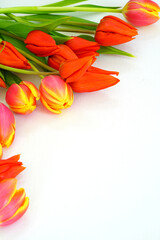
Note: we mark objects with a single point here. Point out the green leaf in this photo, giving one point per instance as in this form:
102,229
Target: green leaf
63,3
22,46
59,38
1,74
55,23
113,50
87,37
11,78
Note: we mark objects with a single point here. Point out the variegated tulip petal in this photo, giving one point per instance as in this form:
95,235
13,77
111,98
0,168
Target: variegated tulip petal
49,107
7,190
1,152
32,88
18,214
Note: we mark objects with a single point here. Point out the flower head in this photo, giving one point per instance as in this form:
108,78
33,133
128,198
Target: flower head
64,53
41,43
22,98
112,31
10,168
141,12
56,94
10,57
13,202
7,126
82,47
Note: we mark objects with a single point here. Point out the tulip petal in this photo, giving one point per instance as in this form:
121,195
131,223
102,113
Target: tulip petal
7,190
92,82
46,105
1,152
32,88
18,214
2,83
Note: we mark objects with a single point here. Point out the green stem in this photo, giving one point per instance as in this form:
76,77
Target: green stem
25,71
74,30
34,9
36,70
80,23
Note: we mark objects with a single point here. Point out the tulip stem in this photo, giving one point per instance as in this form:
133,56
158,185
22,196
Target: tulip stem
36,70
75,30
17,70
34,9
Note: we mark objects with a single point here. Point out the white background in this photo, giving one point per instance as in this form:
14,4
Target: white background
93,172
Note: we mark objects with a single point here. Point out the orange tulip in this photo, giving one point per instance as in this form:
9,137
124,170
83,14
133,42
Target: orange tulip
10,168
72,70
82,47
141,12
112,31
22,98
13,202
64,53
10,57
7,127
56,94
94,79
41,43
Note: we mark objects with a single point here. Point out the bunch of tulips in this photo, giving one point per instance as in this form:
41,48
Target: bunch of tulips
67,67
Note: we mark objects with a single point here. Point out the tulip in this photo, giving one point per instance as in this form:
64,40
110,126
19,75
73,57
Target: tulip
64,53
72,70
1,152
2,83
94,79
82,47
56,94
10,57
10,168
141,12
13,202
7,127
41,43
112,31
22,98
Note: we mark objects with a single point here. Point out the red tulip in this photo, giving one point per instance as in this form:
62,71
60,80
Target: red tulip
72,70
10,57
112,31
10,168
41,43
94,79
2,83
82,47
64,53
141,12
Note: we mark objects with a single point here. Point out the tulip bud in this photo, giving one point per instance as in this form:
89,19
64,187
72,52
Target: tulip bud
10,57
13,202
10,168
22,98
141,12
112,31
82,47
41,43
7,127
56,94
72,70
64,53
2,83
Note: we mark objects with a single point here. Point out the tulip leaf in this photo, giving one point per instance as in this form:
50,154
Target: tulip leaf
95,6
1,74
55,23
10,78
22,46
59,38
64,3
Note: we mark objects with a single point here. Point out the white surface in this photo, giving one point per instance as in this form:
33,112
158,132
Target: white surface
93,171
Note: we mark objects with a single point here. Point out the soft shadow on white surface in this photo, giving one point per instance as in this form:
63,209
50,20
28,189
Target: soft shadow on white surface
93,171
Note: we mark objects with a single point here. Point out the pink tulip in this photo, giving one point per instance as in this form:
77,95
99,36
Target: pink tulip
22,98
7,127
56,94
141,12
13,202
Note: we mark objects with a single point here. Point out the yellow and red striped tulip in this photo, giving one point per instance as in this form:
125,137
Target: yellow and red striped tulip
141,12
56,94
13,202
22,98
10,168
7,127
